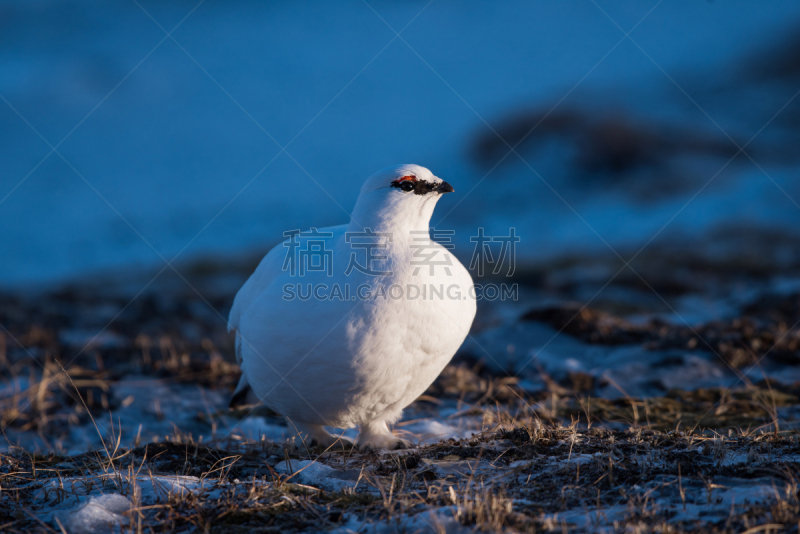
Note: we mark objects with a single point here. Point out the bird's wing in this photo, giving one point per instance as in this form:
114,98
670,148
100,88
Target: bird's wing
266,272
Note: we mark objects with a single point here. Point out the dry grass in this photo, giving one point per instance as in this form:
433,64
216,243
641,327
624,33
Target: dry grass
521,480
559,459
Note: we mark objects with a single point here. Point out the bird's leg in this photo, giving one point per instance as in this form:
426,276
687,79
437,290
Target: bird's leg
317,435
376,435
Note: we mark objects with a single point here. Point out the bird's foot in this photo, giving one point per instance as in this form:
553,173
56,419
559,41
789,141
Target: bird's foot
332,442
317,436
386,441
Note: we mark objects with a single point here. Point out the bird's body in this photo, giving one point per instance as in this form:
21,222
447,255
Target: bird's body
359,354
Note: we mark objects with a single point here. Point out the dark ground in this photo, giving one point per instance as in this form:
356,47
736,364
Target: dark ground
586,446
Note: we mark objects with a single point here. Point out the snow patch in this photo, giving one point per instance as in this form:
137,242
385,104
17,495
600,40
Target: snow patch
98,514
321,476
440,520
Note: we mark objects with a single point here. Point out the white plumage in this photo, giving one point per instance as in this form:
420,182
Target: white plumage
341,363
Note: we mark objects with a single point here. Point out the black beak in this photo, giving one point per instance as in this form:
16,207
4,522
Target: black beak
444,187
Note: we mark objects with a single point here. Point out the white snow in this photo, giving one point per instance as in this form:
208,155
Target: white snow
437,521
320,476
433,431
96,504
97,514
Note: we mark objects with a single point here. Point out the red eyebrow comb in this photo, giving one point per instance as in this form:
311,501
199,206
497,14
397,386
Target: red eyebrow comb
406,178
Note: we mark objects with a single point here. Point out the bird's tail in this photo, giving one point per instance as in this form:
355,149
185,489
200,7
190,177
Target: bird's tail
243,395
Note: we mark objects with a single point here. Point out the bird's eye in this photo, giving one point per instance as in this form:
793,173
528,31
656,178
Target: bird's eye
407,186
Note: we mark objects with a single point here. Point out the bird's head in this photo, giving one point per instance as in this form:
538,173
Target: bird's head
402,195
406,179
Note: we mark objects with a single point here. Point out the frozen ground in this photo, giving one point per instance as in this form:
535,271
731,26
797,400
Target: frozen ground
621,416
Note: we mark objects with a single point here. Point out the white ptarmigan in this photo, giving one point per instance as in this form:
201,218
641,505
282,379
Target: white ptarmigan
356,356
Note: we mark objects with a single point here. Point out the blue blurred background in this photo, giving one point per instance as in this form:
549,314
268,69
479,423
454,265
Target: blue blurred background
172,146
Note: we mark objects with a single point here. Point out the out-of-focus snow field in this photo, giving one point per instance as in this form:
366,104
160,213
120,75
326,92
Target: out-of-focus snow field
181,137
